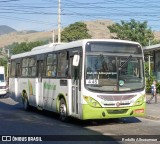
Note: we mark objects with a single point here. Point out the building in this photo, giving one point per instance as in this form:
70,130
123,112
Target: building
152,56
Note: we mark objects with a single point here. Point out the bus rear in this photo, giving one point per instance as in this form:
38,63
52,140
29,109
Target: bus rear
114,82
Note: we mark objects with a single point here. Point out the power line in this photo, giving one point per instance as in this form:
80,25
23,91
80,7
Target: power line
26,20
110,9
4,1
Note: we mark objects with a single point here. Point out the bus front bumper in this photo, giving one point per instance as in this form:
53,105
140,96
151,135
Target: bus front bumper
106,113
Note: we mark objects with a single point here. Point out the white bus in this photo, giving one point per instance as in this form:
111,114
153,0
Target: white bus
3,83
85,79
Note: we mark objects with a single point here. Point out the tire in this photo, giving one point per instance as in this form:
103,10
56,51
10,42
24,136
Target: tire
63,110
25,102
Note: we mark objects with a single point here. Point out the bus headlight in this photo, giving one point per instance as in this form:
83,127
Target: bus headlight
92,102
139,101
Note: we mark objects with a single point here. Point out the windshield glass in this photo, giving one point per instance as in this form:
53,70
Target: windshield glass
1,77
131,74
113,67
103,73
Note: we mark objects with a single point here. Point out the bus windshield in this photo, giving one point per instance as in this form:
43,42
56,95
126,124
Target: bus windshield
111,73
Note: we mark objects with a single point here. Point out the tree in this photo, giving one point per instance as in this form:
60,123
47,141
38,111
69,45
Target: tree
134,31
3,61
24,46
74,32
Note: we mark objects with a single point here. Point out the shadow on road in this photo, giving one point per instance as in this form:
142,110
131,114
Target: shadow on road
71,120
15,121
4,96
84,123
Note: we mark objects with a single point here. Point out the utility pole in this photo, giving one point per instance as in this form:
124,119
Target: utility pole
53,36
149,64
59,21
6,52
149,60
149,42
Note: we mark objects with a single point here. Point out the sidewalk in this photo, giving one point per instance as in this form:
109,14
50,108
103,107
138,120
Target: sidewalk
153,110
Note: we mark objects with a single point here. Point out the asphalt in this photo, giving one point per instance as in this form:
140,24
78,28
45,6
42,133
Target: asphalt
153,110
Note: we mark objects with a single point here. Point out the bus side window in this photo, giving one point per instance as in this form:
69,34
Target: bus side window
40,68
18,70
32,67
25,67
51,65
62,64
13,69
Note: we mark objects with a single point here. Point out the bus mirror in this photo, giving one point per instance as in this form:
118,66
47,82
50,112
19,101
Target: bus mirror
76,60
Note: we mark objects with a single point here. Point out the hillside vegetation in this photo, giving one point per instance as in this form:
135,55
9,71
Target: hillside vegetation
97,29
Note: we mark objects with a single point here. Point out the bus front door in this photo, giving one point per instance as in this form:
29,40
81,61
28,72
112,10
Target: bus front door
39,85
76,84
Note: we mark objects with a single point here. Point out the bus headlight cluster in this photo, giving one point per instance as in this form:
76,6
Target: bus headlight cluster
140,101
92,102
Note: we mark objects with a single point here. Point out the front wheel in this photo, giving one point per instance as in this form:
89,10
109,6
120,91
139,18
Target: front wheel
63,110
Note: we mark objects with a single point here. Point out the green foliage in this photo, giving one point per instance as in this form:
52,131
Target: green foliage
149,81
24,46
153,42
74,32
3,62
147,68
149,78
11,47
134,31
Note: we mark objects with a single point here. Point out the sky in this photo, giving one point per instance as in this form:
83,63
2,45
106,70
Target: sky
41,15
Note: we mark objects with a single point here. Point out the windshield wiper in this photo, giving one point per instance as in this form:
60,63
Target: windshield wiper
123,64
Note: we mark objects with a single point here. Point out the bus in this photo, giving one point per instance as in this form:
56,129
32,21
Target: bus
84,79
3,83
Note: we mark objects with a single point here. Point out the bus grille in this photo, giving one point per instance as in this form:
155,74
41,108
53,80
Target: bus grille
119,103
121,111
115,97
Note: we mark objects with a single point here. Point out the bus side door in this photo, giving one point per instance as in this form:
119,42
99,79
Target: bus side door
76,84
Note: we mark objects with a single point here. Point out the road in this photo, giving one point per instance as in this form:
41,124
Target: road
15,121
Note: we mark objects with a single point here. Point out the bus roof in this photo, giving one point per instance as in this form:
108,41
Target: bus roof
60,46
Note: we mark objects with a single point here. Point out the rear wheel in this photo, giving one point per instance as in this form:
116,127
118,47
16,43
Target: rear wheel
63,110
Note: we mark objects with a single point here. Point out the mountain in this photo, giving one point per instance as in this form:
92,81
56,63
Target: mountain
97,29
6,29
157,35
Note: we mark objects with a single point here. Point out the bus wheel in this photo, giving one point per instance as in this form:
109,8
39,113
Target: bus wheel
25,102
62,110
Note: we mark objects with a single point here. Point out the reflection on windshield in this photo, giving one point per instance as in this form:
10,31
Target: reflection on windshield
102,73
